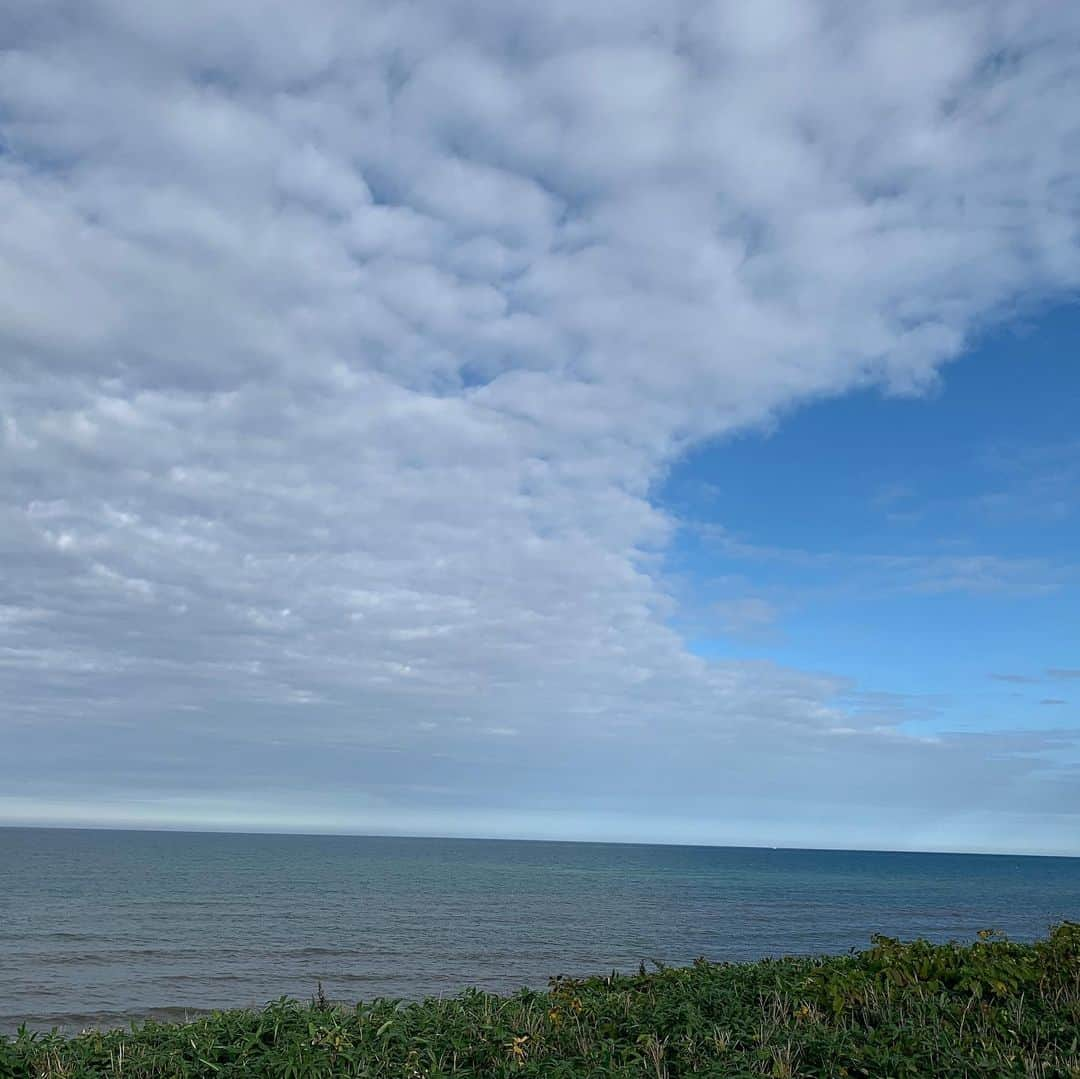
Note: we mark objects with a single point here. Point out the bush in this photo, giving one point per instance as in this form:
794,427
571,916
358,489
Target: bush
990,1008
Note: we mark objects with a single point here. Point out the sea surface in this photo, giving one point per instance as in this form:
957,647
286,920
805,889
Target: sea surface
99,927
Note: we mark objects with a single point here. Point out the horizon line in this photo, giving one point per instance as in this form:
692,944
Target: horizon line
226,831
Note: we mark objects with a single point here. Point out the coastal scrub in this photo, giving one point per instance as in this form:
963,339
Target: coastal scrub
989,1008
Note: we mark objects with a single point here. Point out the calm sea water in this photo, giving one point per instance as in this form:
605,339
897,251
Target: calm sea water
101,927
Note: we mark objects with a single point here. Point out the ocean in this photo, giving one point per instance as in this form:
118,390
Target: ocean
100,927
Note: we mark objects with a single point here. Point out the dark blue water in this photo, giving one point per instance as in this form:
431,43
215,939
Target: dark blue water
99,927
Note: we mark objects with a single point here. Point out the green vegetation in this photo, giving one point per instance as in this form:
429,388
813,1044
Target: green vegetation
992,1008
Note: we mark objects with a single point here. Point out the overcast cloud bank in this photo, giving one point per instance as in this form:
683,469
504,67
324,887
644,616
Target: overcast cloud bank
342,345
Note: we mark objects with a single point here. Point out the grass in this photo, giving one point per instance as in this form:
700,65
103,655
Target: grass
990,1008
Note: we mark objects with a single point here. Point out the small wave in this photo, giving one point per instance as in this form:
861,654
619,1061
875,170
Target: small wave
354,978
330,952
113,956
74,1022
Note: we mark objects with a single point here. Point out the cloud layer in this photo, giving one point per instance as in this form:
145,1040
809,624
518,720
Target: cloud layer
343,344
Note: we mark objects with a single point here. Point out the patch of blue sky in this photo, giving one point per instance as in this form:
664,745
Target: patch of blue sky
919,545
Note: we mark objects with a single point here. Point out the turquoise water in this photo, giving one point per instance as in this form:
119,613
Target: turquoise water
99,927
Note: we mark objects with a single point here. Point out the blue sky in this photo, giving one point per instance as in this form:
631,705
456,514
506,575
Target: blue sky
633,422
928,540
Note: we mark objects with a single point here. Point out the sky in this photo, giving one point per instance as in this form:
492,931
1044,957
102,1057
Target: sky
628,422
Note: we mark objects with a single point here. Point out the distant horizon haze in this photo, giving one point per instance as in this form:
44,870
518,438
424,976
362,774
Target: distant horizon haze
227,830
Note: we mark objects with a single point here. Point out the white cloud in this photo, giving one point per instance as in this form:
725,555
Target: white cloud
342,347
